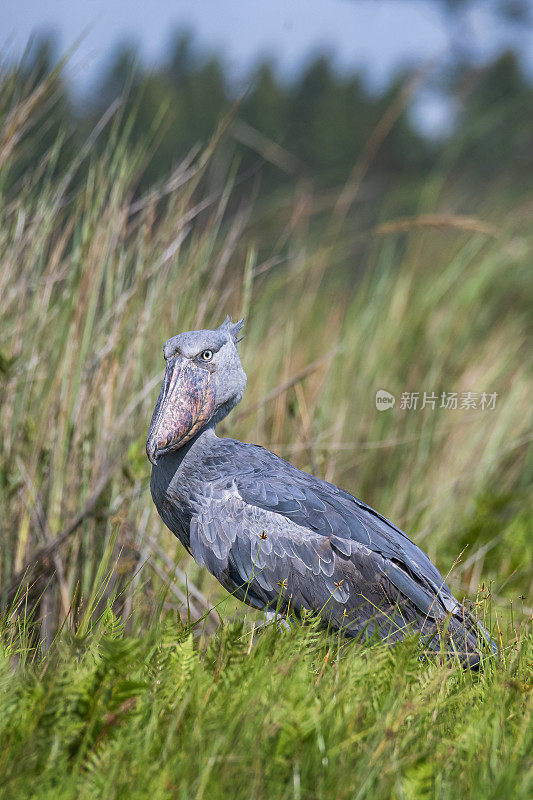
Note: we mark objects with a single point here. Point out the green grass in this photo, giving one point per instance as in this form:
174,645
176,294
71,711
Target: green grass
292,715
93,279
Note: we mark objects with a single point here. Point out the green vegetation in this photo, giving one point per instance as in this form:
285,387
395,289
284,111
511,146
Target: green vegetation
289,716
116,678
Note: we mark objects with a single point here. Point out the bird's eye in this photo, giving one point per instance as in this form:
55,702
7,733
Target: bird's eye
207,355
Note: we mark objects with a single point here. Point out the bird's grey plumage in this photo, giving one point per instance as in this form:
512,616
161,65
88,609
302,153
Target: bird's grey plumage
278,537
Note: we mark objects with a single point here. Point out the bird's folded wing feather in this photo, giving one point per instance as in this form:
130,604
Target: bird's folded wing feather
276,530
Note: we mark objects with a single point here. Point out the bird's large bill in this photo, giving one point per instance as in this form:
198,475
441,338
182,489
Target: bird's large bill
184,404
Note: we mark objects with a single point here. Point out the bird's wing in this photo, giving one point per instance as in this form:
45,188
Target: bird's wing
273,533
321,507
246,546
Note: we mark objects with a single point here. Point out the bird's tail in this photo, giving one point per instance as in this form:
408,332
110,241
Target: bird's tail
461,635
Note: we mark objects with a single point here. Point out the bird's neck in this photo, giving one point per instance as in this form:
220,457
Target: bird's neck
221,413
199,445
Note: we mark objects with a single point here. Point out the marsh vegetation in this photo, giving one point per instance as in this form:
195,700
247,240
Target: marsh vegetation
117,676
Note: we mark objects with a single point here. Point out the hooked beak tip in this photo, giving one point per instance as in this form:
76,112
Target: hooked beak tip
151,452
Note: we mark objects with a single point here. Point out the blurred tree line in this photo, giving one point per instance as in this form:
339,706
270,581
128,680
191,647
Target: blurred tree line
315,126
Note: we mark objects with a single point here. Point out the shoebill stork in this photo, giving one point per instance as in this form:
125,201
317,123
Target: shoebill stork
276,537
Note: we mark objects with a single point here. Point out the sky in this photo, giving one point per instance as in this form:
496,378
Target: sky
375,36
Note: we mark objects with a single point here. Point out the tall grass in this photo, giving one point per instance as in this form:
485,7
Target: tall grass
93,279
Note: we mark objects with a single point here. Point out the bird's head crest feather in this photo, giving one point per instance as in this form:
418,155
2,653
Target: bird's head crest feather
233,328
